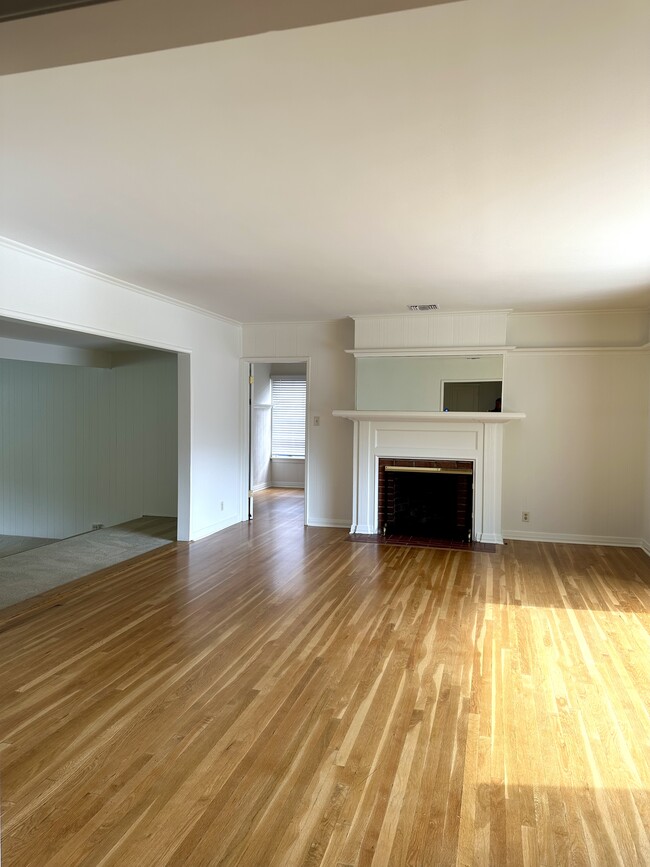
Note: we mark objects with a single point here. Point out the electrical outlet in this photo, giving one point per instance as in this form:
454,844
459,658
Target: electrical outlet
525,517
98,526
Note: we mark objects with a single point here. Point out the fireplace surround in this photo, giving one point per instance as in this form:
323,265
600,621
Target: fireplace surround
475,438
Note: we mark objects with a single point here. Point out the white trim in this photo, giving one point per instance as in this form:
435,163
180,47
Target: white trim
211,529
415,313
280,359
287,485
577,350
574,539
10,244
334,523
492,350
185,415
645,546
429,350
81,328
602,311
294,322
244,434
261,487
491,539
416,416
402,436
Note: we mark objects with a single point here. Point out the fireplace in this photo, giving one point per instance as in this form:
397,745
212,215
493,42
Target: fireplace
421,499
438,438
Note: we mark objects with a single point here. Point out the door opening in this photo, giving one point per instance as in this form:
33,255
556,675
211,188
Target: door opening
277,434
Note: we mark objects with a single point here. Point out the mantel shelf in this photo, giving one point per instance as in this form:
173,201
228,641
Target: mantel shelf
445,417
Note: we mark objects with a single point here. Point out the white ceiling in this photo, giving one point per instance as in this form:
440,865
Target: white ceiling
479,154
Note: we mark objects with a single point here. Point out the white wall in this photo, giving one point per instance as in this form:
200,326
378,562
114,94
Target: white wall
261,427
646,506
577,462
415,330
159,376
580,462
39,288
82,445
331,386
586,328
287,473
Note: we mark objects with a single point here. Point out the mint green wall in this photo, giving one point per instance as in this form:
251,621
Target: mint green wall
83,445
414,383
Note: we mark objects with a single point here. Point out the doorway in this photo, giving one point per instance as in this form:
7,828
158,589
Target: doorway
95,463
276,430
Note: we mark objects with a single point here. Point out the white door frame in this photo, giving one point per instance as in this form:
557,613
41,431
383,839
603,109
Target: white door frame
245,427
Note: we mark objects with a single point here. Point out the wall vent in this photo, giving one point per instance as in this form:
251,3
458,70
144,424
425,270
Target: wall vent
421,308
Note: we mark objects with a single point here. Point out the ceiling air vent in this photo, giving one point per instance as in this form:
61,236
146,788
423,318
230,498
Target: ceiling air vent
421,308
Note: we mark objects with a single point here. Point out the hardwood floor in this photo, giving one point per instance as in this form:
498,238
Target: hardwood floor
276,695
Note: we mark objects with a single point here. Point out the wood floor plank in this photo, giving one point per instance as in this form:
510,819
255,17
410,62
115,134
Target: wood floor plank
277,695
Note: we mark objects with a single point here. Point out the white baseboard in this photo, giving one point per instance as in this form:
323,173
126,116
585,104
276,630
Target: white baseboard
491,539
283,485
574,539
363,529
261,487
644,545
196,535
335,523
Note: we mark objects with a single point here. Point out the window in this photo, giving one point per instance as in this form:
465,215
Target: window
289,400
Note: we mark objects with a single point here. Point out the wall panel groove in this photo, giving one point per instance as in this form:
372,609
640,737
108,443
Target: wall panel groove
83,445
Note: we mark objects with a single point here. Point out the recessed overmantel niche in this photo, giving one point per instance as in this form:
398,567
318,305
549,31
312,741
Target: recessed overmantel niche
410,371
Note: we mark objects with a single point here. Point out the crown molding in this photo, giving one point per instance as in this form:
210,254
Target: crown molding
577,350
414,314
428,350
598,311
284,322
35,253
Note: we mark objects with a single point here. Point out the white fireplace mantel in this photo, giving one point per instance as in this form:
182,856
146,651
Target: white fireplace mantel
444,417
477,437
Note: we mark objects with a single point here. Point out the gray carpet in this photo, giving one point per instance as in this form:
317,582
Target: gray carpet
32,572
10,545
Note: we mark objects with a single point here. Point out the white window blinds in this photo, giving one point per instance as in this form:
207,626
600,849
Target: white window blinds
288,397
